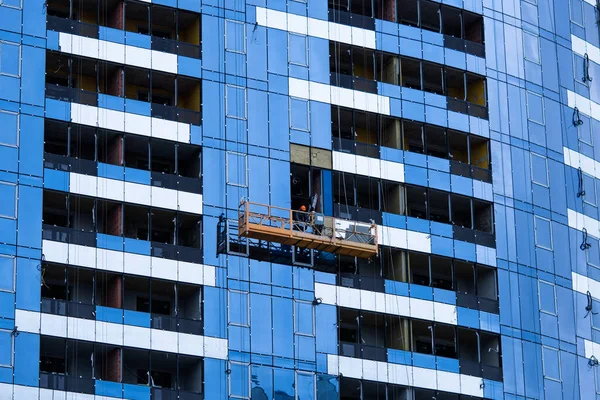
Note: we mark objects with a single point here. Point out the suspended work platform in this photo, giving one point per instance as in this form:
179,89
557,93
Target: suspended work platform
307,230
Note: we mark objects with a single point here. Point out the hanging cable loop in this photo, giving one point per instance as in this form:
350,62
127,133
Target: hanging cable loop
585,244
576,117
580,189
590,305
592,362
586,69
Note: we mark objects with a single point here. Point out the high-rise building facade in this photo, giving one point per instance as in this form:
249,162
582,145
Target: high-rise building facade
299,199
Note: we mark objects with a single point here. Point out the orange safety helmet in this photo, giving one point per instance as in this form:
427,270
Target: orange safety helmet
302,207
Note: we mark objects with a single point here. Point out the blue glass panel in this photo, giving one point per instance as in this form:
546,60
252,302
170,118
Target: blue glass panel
7,273
239,380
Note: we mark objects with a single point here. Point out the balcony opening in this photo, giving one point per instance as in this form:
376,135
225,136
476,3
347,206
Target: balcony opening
438,207
422,337
367,192
452,22
465,278
136,222
455,83
300,185
461,211
110,147
56,137
136,16
476,89
59,8
413,137
348,327
418,265
137,84
109,290
372,330
468,344
436,141
391,133
53,363
163,226
343,128
473,27
387,68
340,61
479,153
363,63
459,149
365,125
109,219
486,283
189,94
445,340
441,273
83,76
137,152
490,349
397,333
374,391
394,264
162,157
57,69
136,366
411,73
189,161
189,26
55,211
343,193
393,198
107,363
189,230
83,144
433,78
81,213
408,12
163,86
416,202
483,216
349,389
110,79
163,22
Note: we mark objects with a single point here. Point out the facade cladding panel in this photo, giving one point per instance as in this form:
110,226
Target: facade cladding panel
156,159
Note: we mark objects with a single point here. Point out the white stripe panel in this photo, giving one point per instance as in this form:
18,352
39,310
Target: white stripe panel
339,96
402,306
18,392
579,221
129,263
404,239
583,284
591,349
315,27
136,193
406,375
120,335
575,159
585,106
118,53
130,123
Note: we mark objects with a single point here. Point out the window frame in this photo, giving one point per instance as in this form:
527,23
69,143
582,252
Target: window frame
585,196
14,262
19,61
305,37
529,116
307,129
547,184
559,379
237,154
535,219
19,7
12,348
243,24
543,282
18,128
227,87
247,295
571,13
247,365
4,183
539,55
314,379
296,325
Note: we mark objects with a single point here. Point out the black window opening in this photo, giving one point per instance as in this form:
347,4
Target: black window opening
368,335
73,365
171,30
475,285
81,80
462,30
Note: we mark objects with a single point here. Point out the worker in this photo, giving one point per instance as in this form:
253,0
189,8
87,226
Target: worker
302,218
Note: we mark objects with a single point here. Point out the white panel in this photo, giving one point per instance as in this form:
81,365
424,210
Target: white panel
369,40
297,24
320,92
367,300
340,33
351,367
400,374
83,256
344,162
277,19
318,28
53,325
348,297
191,273
25,392
392,171
192,345
138,57
360,100
471,385
164,341
138,194
164,198
164,129
383,105
424,378
369,370
48,394
83,184
189,202
109,260
64,42
380,302
419,241
261,16
82,329
110,51
138,124
374,167
111,189
109,333
6,391
345,97
333,364
580,283
397,305
137,264
55,251
166,62
299,88
215,348
358,37
422,309
111,119
27,321
382,372
183,132
327,293
210,276
83,114
84,46
134,336
164,268
445,313
448,382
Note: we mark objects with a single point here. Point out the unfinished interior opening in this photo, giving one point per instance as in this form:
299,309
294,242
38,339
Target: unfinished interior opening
441,273
56,137
458,144
189,230
83,142
422,336
445,340
393,198
483,216
55,211
162,158
473,27
479,152
81,213
163,87
438,207
365,128
433,78
387,68
465,277
436,141
486,283
163,226
411,73
57,69
452,22
397,333
476,90
391,133
394,264
109,290
340,62
413,136
455,83
136,222
136,83
189,94
416,202
408,12
109,147
461,211
418,265
430,15
137,152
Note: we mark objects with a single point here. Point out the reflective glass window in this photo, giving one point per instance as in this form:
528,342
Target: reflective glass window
239,380
576,11
531,47
7,273
535,108
543,232
304,318
539,169
237,169
551,360
297,47
9,128
238,308
6,348
11,3
299,114
236,101
8,205
10,58
547,297
305,386
235,36
589,186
